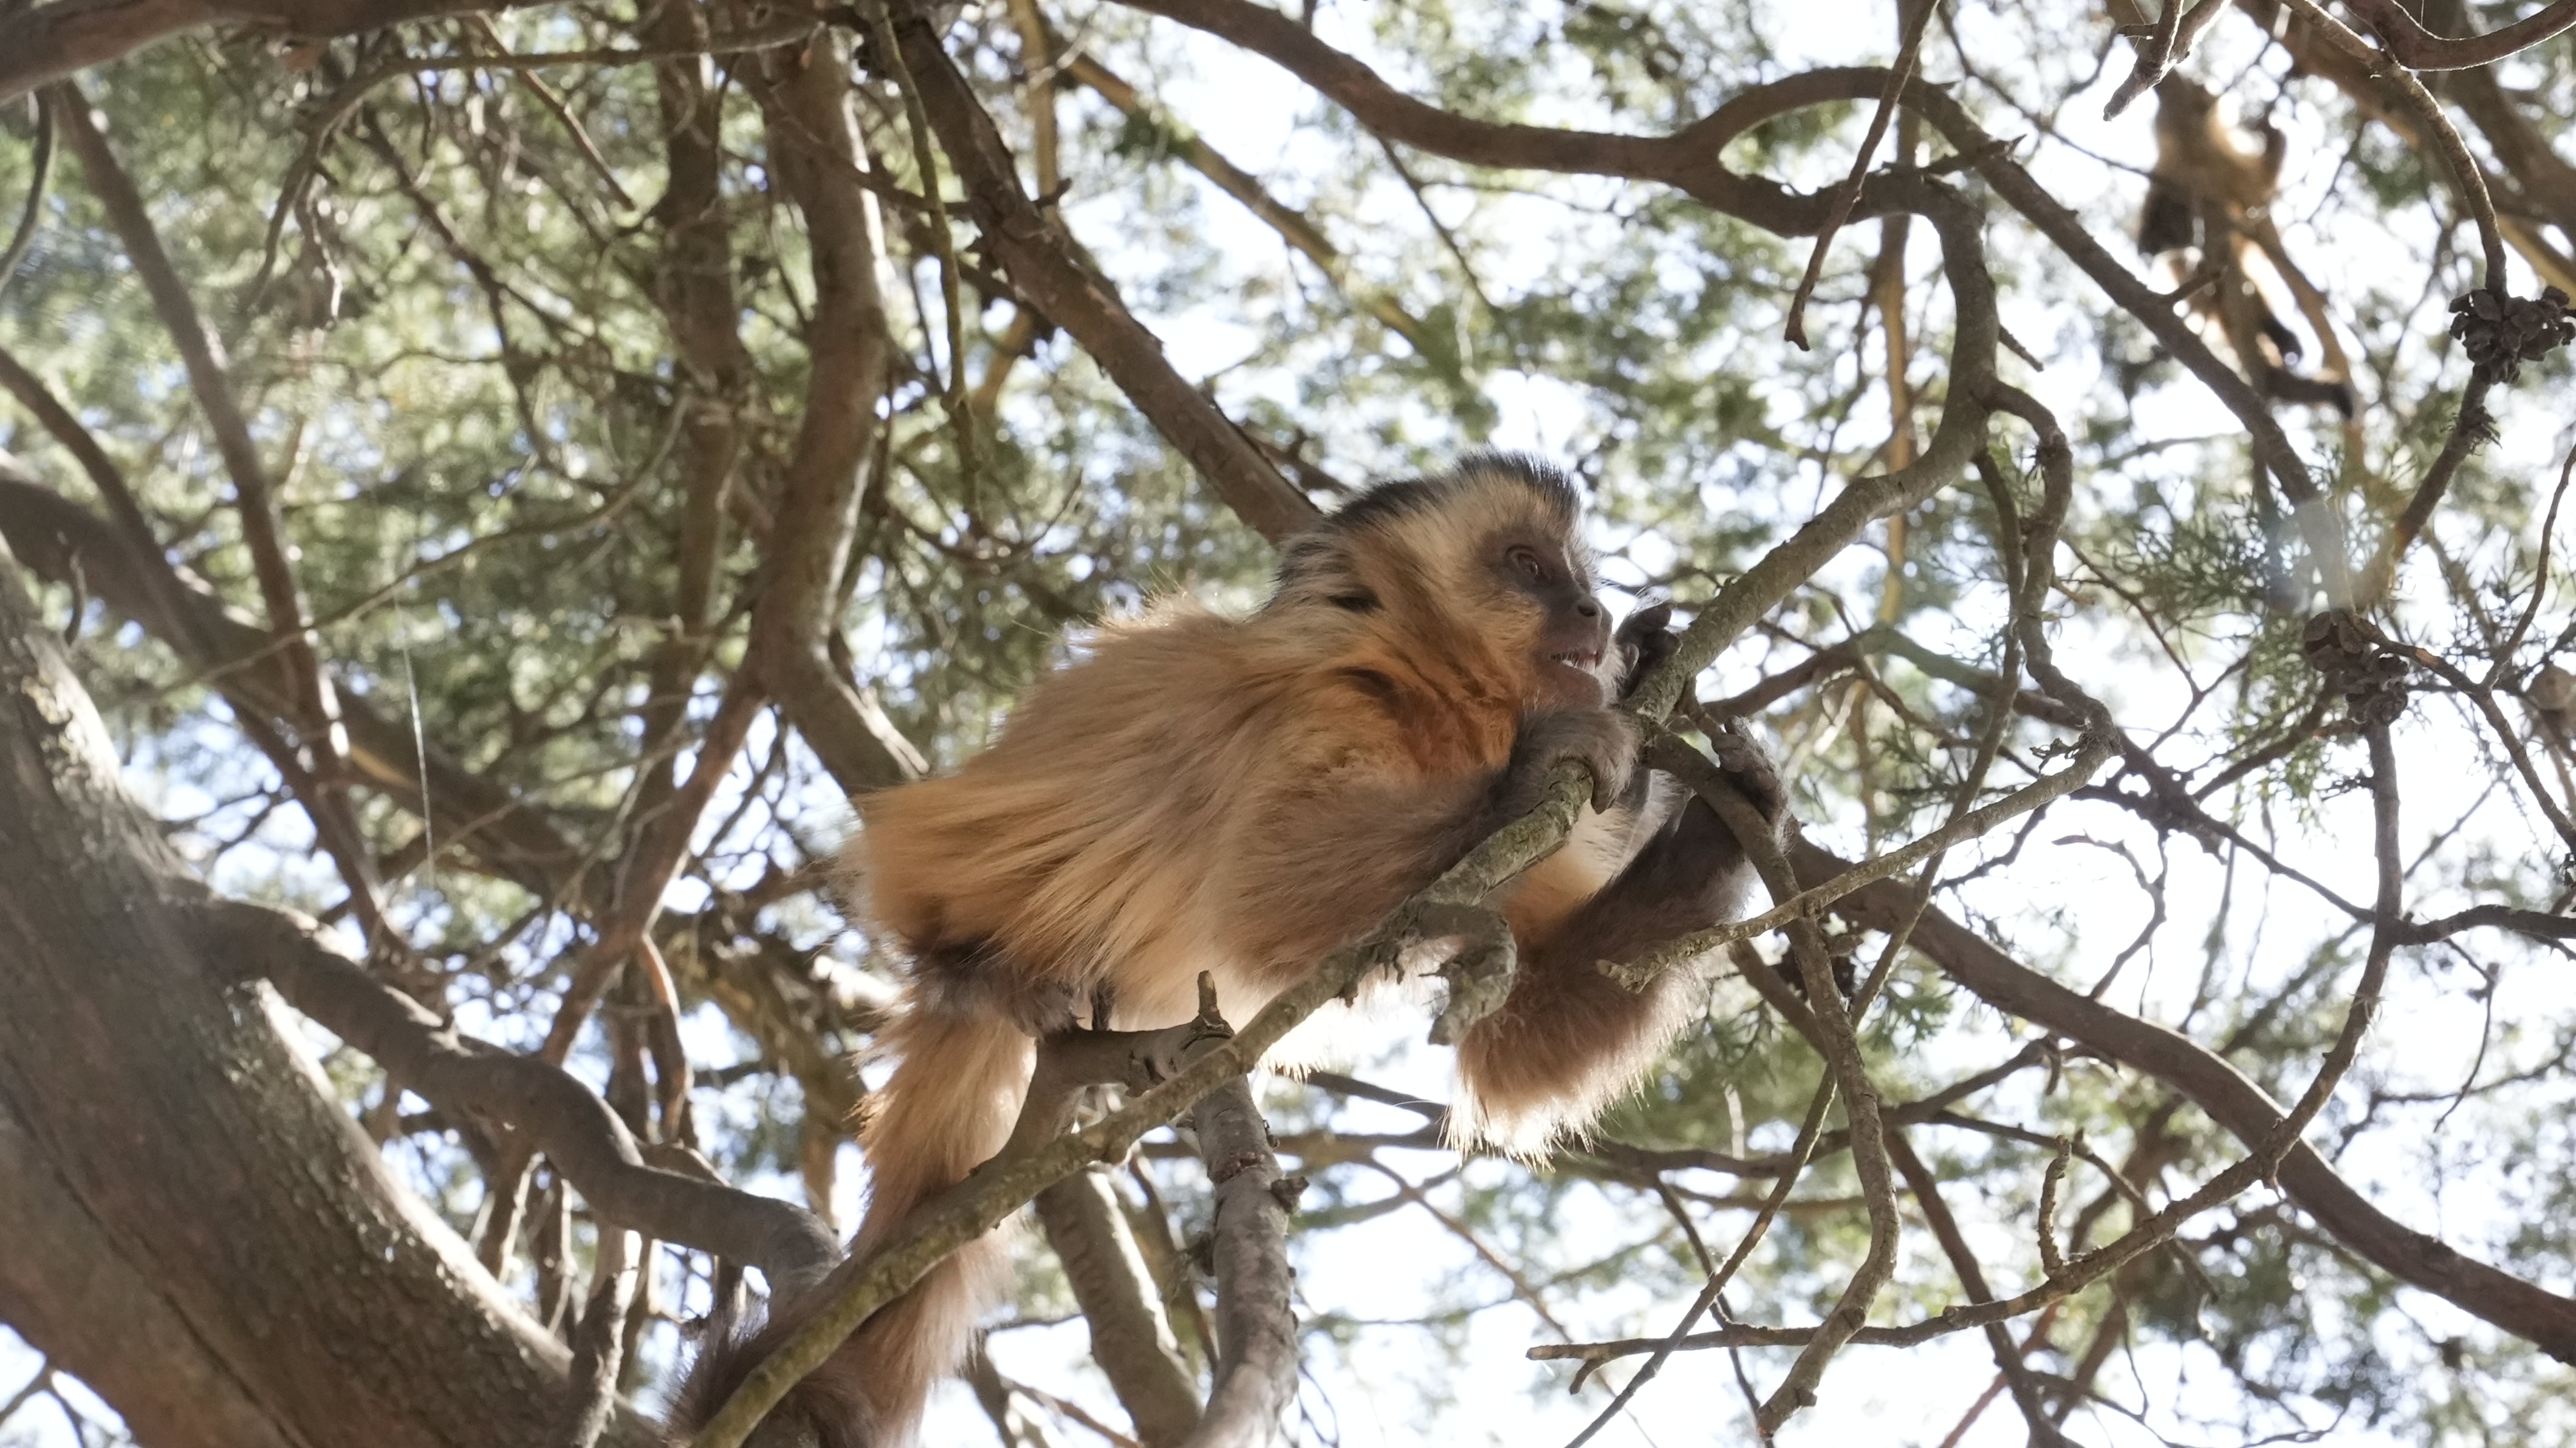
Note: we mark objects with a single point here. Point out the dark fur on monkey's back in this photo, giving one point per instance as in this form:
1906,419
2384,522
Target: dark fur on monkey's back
1411,496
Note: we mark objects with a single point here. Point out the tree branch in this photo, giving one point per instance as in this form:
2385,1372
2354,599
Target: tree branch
40,44
1972,1280
2417,48
1256,1324
565,1119
2230,1099
1130,1338
53,535
1042,259
805,102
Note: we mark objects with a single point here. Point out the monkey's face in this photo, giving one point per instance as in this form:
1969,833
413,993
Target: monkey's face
1570,641
1483,567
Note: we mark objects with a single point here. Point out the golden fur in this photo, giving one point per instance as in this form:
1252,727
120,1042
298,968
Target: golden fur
1198,792
2210,194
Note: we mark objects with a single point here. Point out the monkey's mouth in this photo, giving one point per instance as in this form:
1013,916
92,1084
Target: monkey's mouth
1586,662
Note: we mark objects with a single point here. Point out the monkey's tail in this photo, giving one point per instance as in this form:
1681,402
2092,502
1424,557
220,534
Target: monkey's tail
955,1092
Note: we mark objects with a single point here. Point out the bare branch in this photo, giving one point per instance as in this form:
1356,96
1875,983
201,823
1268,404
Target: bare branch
1044,261
2230,1099
576,1130
1130,1338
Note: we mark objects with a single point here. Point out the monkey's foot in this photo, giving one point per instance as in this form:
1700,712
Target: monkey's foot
1479,970
1079,1056
1750,768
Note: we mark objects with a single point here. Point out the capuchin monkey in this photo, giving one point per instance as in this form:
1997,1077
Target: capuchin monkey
2207,193
1243,795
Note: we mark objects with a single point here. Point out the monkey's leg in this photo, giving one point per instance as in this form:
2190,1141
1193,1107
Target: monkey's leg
1569,1039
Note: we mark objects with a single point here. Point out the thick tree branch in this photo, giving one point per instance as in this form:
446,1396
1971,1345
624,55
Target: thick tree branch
565,1119
77,1295
702,312
805,102
1130,1338
1256,1325
259,1212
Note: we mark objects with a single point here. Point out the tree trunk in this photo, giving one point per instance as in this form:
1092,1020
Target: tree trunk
192,1226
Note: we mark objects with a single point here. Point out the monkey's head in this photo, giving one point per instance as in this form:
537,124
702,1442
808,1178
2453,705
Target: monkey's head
1482,568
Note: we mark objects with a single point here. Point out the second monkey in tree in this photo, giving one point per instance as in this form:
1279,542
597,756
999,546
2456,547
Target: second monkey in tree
2208,194
1241,796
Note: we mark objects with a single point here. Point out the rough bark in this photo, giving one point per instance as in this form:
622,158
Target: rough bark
1130,1338
161,1118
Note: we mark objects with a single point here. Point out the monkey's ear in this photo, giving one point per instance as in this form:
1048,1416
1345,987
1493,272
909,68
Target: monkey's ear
1318,568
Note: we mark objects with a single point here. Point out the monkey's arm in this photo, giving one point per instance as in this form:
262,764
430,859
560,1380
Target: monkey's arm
2166,222
1569,1039
1326,859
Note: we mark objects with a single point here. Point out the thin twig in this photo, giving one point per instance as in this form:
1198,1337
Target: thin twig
1908,47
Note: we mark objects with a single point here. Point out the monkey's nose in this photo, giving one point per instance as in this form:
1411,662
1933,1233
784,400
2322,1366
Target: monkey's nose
1587,608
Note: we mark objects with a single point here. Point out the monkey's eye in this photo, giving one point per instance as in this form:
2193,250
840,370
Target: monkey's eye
1528,562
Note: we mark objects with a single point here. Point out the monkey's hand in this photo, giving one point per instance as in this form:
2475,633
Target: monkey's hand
1645,638
1603,741
1749,768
